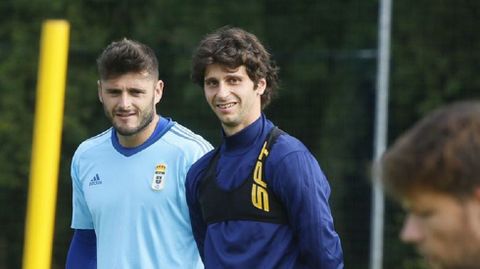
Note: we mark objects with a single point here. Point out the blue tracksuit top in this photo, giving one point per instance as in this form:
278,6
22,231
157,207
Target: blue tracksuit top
309,240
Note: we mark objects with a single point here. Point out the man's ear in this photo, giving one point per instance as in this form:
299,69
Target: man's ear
158,91
99,90
261,86
476,193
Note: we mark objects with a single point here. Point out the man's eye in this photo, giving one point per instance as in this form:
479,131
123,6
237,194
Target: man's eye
135,93
210,83
233,81
424,213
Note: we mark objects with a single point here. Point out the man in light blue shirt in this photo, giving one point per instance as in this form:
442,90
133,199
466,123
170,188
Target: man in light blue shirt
129,207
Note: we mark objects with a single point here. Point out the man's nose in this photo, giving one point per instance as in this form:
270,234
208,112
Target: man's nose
125,100
411,230
223,90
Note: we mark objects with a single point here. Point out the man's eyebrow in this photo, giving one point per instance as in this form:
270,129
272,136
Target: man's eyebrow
136,89
210,79
128,89
113,89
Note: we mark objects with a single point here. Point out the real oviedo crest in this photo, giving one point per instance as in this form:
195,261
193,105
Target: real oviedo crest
158,182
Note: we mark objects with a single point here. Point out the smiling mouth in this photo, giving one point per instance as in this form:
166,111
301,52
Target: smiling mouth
124,114
225,106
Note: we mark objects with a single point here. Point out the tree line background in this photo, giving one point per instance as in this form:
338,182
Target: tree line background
326,51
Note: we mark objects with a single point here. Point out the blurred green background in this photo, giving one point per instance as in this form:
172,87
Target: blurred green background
327,54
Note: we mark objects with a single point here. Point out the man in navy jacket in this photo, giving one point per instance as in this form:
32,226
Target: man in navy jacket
260,200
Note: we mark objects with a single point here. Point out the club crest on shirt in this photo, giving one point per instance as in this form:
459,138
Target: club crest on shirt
158,182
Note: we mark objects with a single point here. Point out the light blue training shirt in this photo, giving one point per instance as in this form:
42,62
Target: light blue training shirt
134,198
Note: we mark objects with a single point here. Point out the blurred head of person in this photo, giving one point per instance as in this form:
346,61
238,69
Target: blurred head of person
433,170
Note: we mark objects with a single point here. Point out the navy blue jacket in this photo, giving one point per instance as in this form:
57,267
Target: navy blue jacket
308,240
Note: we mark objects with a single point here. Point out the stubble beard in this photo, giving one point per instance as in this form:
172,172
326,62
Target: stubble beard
145,121
467,250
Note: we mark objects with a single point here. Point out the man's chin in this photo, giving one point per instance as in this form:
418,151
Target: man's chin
126,131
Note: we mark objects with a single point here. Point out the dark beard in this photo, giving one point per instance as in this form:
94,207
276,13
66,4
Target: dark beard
145,122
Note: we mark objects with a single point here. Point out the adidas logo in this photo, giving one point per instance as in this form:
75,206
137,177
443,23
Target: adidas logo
95,180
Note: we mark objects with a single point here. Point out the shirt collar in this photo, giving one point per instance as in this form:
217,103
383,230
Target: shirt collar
242,140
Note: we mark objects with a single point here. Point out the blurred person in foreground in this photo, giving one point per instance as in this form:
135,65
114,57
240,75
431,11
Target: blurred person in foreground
434,171
129,207
260,200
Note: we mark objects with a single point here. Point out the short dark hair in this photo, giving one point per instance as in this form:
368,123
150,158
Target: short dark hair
439,153
125,56
233,47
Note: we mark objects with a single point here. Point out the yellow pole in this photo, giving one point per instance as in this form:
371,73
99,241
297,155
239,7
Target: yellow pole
42,192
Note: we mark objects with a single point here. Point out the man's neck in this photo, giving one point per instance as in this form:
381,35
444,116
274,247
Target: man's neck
139,138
